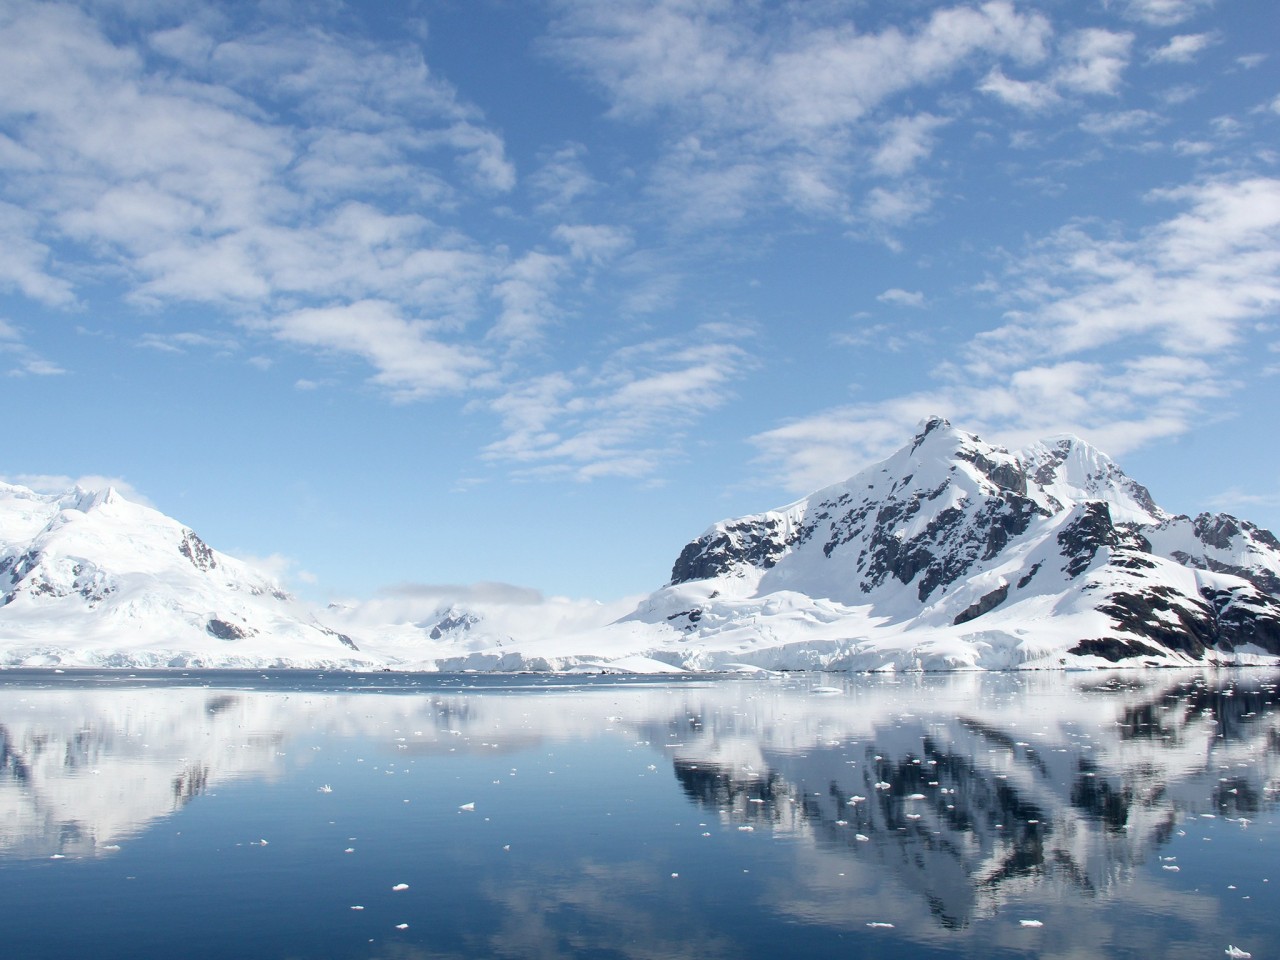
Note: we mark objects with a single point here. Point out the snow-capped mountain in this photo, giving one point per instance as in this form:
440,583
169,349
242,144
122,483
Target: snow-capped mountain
91,578
957,553
951,554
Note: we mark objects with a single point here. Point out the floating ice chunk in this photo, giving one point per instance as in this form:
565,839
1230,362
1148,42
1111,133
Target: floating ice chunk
468,807
326,789
1031,923
400,886
1237,954
1171,867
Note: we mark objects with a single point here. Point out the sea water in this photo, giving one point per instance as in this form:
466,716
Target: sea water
287,815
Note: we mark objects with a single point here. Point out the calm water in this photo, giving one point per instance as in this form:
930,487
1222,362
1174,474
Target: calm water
287,816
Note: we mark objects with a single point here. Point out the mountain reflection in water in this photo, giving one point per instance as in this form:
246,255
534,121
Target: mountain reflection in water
937,800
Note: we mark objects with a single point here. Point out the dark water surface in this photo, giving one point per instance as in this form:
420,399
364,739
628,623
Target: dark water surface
250,815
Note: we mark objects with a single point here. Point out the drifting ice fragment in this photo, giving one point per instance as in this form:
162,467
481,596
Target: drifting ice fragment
1236,953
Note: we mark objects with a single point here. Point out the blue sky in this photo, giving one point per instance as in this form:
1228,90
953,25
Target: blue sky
533,292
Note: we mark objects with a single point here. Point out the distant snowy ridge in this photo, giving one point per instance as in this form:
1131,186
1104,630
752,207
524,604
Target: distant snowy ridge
951,554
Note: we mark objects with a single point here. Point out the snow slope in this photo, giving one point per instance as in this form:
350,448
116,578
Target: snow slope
91,578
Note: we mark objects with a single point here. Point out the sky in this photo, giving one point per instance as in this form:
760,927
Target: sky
519,297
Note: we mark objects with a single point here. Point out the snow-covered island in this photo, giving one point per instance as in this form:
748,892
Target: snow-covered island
951,554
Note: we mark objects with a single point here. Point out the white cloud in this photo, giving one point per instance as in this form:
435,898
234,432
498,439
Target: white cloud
410,362
1164,13
1192,282
596,243
1094,61
907,140
1120,122
897,206
1029,95
188,340
902,298
25,266
1121,340
1089,62
625,418
28,361
525,290
280,164
769,113
1183,48
563,179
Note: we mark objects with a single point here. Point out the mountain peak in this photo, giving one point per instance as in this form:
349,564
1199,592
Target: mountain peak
85,500
1066,469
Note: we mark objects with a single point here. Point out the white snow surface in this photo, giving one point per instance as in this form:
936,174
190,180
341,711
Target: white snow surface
952,554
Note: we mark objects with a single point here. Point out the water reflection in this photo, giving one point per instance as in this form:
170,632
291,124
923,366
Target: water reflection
930,802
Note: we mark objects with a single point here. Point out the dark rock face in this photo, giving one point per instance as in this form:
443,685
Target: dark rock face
1224,532
985,605
1165,617
197,551
224,630
757,543
453,622
948,547
1115,649
1243,616
1081,539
